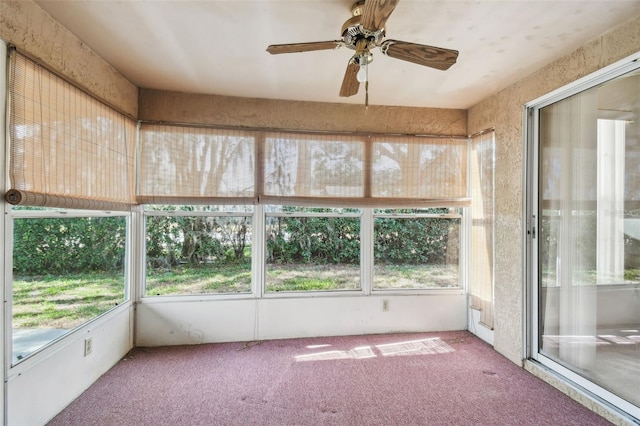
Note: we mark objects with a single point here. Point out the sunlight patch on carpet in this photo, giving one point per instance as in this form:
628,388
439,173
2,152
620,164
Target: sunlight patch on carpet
416,347
411,347
355,353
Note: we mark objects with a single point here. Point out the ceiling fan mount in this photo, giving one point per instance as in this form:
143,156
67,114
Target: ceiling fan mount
365,30
353,31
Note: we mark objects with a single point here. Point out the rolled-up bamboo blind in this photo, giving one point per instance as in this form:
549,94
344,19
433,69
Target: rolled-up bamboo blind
67,149
196,165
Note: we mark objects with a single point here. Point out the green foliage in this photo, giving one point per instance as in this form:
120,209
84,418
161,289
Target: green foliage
632,275
196,240
412,241
68,245
320,240
71,245
336,240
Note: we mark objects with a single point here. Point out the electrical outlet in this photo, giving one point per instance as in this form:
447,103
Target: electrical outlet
385,305
88,346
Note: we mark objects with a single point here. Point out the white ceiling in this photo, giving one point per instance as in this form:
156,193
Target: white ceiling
218,47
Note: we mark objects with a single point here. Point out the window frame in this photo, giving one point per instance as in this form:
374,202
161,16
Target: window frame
252,293
13,213
312,293
462,247
258,283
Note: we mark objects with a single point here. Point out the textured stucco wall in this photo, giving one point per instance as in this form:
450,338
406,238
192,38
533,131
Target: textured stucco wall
278,114
503,111
24,24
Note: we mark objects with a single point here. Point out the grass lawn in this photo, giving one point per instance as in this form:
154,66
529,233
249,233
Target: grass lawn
66,302
309,277
228,279
415,276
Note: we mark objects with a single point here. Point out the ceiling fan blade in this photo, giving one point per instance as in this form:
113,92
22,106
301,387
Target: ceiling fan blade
429,56
275,49
350,83
376,13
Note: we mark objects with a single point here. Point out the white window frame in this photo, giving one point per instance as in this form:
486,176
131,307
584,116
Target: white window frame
461,254
258,248
255,276
129,271
310,293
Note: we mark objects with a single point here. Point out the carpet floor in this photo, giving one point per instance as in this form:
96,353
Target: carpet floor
449,378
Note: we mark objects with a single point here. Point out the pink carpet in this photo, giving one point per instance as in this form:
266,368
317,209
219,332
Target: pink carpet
449,378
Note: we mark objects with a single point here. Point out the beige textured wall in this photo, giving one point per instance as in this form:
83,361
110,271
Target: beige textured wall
504,112
278,114
24,24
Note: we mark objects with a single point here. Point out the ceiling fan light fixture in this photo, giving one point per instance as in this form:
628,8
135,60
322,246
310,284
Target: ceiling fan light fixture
363,73
363,59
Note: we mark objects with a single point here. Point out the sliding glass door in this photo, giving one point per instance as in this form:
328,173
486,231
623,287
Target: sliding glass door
585,238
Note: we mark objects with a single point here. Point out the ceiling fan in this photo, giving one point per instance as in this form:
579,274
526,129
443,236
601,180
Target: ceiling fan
364,31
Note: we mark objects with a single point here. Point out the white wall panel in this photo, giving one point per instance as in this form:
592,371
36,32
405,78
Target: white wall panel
186,322
42,385
477,328
306,317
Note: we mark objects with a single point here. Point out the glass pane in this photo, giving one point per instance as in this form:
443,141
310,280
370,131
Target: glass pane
198,255
65,273
200,208
312,253
589,235
311,210
420,211
416,253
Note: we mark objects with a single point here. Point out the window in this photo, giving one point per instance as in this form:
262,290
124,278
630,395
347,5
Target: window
70,151
209,249
198,249
310,191
585,263
416,248
68,268
312,249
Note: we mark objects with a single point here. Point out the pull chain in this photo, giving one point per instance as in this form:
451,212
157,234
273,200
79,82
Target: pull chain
366,94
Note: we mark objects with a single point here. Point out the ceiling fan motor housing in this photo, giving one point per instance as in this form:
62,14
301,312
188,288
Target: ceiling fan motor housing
353,32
